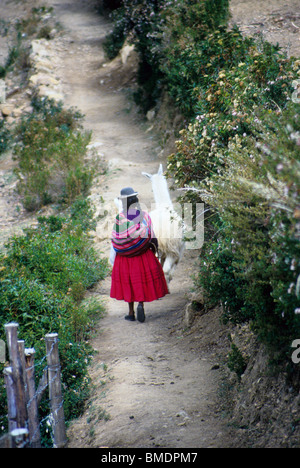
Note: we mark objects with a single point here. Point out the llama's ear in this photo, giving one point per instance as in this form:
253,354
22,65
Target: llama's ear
149,176
160,170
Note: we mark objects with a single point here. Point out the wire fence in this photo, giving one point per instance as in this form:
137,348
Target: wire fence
23,398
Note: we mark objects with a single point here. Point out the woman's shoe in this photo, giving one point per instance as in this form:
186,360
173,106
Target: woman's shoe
141,313
130,318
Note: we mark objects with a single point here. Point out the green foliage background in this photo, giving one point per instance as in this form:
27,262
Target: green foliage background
43,278
46,272
50,153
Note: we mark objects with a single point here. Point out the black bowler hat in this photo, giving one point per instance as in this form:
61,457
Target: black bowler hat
127,192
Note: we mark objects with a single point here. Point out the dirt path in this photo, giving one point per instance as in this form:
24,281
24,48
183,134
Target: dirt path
277,21
152,383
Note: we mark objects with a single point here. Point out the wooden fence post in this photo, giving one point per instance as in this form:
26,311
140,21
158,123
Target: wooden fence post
11,399
32,408
21,350
22,397
19,438
55,393
18,380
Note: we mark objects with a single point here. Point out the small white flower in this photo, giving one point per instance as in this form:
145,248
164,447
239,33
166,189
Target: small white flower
291,288
293,265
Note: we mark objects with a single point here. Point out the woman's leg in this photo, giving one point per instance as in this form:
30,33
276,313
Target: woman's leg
131,308
131,316
140,312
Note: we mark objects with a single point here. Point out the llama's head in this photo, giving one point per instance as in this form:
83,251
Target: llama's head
159,187
160,174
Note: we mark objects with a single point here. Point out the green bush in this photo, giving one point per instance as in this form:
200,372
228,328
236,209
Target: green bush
13,56
219,277
43,278
114,41
50,153
56,253
5,137
223,104
255,255
34,24
236,361
111,4
188,22
156,27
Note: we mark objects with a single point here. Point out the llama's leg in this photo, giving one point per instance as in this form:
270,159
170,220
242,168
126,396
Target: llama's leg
162,259
130,316
168,268
171,272
173,267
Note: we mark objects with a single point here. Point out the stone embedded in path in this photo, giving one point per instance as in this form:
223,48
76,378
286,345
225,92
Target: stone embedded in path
6,109
38,48
44,66
43,79
50,93
42,55
96,144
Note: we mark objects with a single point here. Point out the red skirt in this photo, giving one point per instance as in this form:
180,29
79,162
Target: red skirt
138,279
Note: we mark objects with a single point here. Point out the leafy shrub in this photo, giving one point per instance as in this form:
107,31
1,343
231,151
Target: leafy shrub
50,154
114,41
15,55
4,137
156,27
143,22
82,214
43,277
223,101
189,22
236,361
56,253
255,257
219,277
31,25
111,4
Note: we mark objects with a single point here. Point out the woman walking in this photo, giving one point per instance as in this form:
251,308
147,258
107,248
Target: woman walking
137,275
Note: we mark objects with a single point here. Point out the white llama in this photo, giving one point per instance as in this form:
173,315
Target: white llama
167,224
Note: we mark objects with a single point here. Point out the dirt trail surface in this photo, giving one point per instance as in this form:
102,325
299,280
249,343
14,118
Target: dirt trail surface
155,388
277,21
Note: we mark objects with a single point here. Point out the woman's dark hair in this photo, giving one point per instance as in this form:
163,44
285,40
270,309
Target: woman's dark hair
128,202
